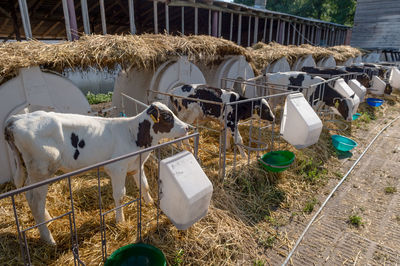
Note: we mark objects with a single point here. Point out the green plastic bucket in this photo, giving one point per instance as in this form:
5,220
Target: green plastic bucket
137,254
277,161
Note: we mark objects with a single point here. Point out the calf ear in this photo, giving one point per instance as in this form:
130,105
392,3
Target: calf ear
154,113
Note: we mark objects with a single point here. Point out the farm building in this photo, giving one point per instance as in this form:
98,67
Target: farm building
377,24
49,19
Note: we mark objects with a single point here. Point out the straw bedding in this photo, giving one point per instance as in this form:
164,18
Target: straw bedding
145,51
238,228
265,54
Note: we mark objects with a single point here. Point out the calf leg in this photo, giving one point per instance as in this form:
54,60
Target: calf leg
118,175
144,185
238,140
37,202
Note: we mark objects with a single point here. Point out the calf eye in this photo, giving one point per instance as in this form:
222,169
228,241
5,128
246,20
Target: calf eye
167,117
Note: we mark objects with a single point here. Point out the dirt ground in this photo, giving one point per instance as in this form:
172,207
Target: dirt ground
360,225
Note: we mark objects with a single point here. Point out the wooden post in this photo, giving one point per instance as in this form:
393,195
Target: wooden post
183,20
294,33
239,30
312,34
155,16
132,16
103,17
278,31
271,23
23,8
196,19
85,17
248,32
288,32
283,32
167,17
220,24
265,30
215,24
255,36
231,28
209,22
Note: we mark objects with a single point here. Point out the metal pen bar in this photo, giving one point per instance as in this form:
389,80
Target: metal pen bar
187,98
141,172
18,227
101,215
119,207
136,101
45,222
73,214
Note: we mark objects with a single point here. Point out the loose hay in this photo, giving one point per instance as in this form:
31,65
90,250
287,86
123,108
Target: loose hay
145,51
265,54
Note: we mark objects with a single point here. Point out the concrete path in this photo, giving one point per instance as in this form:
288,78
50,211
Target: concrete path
368,193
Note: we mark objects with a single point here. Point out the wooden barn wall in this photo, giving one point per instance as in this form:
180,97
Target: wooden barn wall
377,24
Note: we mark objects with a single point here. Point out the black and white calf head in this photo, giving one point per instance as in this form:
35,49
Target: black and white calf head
263,110
365,80
159,122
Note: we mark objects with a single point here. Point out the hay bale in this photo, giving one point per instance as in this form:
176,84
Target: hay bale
265,54
145,51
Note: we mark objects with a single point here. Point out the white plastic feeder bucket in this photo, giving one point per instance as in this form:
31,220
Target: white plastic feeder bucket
30,91
394,78
327,62
280,65
305,61
169,75
235,67
186,190
359,89
378,86
300,125
341,86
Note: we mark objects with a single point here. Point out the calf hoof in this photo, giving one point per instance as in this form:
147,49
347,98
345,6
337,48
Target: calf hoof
120,219
50,241
148,199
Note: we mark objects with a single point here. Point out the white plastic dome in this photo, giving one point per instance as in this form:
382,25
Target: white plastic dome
34,90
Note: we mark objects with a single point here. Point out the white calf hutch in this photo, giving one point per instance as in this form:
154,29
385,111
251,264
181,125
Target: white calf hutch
136,83
327,62
305,61
280,65
234,67
34,90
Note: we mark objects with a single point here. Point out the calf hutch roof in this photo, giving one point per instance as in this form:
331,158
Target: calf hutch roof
264,54
145,51
148,51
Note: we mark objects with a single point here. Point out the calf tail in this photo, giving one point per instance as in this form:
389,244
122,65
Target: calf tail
20,173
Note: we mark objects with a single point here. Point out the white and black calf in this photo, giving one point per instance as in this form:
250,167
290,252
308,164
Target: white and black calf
45,142
292,80
192,110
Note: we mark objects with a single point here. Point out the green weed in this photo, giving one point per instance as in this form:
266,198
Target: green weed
355,220
179,257
99,98
390,190
310,205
